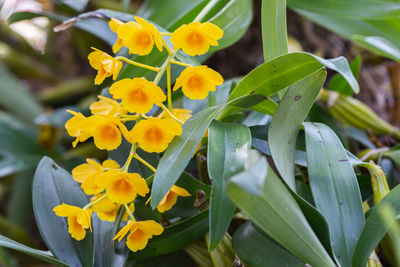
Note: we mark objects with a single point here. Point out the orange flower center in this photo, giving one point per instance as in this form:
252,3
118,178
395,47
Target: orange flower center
74,225
195,39
195,82
138,96
138,236
122,186
154,135
143,39
107,132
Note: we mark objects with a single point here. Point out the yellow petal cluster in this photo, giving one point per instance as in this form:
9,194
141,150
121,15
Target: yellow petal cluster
111,186
196,38
197,81
139,36
78,219
140,233
122,187
154,134
171,197
105,65
137,95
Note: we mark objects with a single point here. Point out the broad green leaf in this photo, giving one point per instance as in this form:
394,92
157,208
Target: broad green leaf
257,249
377,225
175,237
53,186
40,254
337,83
381,34
228,150
335,189
286,122
273,26
361,9
181,149
16,98
287,69
269,204
104,253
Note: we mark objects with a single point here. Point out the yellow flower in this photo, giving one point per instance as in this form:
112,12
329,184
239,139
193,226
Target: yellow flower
105,208
154,134
122,187
180,113
170,198
105,65
107,107
138,94
140,233
87,173
106,134
197,81
139,36
195,38
114,26
77,127
78,219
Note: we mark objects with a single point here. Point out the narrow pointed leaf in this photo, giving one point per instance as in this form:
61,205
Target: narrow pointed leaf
334,188
43,255
287,120
377,225
273,26
228,150
270,205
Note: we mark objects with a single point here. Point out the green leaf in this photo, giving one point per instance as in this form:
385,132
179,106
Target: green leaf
77,5
257,249
337,83
269,204
285,70
335,189
181,149
273,26
377,225
16,98
379,45
228,150
379,36
286,123
362,9
40,254
53,186
175,237
104,253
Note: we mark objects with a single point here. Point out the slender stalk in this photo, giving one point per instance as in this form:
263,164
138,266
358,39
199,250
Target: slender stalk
137,64
129,213
169,90
130,157
205,10
166,33
136,156
166,47
170,114
173,61
94,202
163,68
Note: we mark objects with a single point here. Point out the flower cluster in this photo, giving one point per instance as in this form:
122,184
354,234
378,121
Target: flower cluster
111,186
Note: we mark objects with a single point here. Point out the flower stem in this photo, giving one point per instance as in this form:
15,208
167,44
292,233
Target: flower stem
169,91
136,156
129,212
163,68
173,61
205,10
137,64
94,202
130,157
170,114
166,47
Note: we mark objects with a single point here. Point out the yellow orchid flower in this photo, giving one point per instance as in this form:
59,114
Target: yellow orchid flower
105,65
171,197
